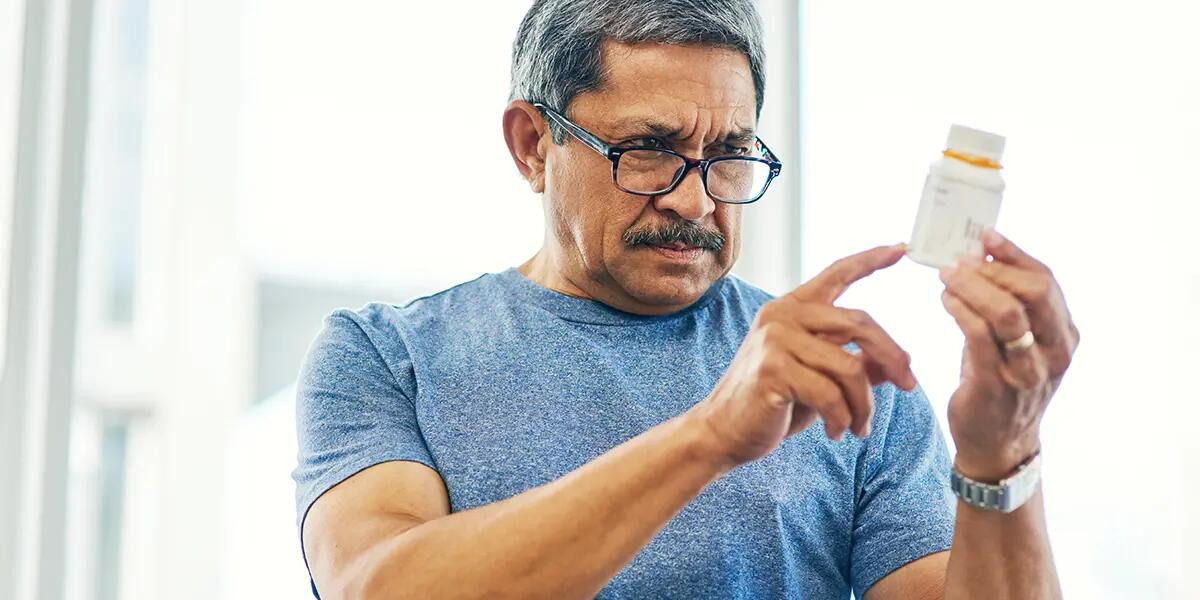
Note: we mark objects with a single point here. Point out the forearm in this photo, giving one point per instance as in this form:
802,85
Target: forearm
998,555
565,539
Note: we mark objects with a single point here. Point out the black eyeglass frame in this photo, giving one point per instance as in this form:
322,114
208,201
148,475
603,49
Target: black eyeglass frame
613,153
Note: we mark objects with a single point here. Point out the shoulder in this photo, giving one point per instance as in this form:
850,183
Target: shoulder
380,319
383,332
457,304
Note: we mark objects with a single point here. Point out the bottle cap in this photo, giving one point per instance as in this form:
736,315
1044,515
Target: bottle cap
975,142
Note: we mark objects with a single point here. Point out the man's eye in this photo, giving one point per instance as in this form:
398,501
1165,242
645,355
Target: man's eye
647,142
735,149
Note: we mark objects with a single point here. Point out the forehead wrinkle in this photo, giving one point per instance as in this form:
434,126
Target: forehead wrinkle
646,126
673,92
654,126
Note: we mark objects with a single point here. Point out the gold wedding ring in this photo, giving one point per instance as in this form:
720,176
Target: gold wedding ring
1020,344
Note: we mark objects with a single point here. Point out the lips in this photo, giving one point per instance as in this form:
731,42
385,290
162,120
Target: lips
677,252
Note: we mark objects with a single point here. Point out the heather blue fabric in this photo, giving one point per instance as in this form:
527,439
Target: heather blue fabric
501,385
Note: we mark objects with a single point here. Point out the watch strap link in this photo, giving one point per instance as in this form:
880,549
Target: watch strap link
1006,496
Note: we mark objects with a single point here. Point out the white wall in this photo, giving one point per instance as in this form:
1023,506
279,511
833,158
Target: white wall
372,143
1099,104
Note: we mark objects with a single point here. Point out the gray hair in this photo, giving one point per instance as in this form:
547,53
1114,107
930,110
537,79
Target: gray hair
557,53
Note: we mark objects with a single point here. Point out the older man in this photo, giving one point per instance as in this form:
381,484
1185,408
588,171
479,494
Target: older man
620,417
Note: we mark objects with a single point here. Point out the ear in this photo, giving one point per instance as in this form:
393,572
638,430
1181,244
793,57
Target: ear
524,131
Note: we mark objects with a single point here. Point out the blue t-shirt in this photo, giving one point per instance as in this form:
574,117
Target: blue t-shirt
501,385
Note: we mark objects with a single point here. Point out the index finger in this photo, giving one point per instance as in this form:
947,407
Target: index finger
831,283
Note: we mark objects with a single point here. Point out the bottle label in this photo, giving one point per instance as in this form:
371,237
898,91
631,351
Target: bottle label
950,221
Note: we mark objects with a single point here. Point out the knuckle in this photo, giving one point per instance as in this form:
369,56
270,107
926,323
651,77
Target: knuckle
1029,373
824,393
768,330
852,366
833,408
1041,288
838,423
1061,358
859,318
764,326
976,329
1012,316
841,265
774,336
765,315
769,367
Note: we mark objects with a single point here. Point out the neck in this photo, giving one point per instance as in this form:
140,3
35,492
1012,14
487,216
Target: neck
547,272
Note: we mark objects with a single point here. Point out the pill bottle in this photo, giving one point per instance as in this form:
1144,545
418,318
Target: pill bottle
961,197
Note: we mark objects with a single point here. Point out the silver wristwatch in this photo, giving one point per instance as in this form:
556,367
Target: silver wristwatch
1006,496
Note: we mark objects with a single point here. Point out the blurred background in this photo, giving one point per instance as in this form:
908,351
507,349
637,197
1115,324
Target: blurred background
188,186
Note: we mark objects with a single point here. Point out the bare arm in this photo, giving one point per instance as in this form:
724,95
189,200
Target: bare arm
566,539
995,554
1006,554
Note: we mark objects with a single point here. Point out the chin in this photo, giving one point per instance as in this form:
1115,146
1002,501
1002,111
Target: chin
653,285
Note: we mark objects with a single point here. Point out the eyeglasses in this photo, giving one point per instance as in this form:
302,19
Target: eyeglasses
649,171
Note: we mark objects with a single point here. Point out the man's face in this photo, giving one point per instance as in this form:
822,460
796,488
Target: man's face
614,240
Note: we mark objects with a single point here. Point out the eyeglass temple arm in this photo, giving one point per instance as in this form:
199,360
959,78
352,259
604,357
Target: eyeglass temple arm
590,140
770,154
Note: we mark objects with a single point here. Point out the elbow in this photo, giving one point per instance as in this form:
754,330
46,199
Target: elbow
380,573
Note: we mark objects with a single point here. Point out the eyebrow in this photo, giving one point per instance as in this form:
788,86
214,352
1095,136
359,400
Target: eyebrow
638,126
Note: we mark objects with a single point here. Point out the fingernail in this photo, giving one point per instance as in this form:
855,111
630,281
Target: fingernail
863,430
992,238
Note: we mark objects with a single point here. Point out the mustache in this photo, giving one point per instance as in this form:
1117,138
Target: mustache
684,232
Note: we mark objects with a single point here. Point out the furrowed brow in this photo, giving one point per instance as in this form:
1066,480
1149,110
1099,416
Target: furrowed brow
648,127
741,135
627,128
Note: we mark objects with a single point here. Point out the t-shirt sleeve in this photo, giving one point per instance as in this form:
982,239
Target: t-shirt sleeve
352,407
904,508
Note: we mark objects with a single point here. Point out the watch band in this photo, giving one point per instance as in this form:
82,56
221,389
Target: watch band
1006,496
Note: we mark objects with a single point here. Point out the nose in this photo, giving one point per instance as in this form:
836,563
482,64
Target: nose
688,199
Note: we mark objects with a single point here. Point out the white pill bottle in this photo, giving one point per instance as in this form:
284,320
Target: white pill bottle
961,197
